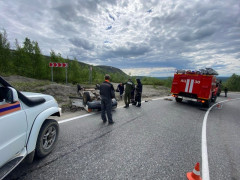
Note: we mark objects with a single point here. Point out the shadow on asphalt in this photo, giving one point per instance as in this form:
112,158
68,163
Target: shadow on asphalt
194,104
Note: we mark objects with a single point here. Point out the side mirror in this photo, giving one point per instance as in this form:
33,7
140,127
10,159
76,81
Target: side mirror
11,95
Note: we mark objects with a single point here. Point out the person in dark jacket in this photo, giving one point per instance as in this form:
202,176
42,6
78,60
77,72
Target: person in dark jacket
106,93
138,95
120,89
128,90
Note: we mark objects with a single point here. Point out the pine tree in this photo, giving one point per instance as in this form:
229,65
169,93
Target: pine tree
4,53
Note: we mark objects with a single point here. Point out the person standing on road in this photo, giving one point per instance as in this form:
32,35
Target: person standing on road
120,89
106,93
128,90
226,91
132,99
138,95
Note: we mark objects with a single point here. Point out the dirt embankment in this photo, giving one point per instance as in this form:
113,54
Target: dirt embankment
61,92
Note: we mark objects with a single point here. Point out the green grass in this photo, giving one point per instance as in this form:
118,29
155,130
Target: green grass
29,86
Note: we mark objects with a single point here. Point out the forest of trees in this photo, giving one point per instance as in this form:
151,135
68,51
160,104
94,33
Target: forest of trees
233,83
27,60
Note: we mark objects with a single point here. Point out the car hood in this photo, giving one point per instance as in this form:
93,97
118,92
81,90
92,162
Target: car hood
37,95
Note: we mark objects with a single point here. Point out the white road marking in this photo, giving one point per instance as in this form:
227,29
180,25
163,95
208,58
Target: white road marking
74,118
205,167
85,115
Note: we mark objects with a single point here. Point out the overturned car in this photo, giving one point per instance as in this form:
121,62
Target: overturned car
89,99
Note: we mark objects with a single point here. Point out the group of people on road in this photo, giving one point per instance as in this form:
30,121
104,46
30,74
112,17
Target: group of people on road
132,95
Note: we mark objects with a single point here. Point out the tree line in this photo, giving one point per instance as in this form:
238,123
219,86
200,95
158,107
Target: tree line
27,60
233,83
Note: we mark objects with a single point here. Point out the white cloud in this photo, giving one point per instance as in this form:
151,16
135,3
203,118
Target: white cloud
154,72
141,34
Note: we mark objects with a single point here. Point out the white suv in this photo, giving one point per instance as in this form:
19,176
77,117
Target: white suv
25,127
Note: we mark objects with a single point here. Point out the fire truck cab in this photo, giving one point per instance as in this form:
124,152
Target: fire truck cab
200,86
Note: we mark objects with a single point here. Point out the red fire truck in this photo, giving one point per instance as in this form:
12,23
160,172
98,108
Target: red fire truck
200,86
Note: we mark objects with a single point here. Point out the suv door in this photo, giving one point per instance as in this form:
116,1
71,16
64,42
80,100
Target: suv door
13,128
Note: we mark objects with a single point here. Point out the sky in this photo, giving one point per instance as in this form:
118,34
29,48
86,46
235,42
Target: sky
140,37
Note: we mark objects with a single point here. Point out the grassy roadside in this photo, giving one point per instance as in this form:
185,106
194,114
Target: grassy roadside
61,92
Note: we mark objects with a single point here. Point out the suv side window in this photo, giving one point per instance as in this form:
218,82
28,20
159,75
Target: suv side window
7,105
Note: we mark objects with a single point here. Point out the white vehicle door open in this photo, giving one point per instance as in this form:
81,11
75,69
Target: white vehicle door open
13,128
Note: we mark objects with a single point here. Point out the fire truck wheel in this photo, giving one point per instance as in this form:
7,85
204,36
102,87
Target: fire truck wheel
207,104
178,99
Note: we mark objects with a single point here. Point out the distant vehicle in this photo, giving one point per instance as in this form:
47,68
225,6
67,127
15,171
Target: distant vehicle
25,128
200,86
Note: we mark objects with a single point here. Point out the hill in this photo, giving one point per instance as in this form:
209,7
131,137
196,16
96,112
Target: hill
110,69
224,79
28,61
30,64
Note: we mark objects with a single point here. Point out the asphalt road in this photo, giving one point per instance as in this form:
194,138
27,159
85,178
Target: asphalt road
160,140
223,137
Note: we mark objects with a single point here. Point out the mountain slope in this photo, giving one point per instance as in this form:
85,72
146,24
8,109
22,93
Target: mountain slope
110,69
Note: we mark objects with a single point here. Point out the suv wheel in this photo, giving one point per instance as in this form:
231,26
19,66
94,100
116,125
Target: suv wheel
47,138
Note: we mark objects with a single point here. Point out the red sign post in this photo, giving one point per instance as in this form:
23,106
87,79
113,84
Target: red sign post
54,64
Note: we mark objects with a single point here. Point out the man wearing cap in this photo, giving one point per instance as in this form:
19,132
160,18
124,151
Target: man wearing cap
128,90
106,93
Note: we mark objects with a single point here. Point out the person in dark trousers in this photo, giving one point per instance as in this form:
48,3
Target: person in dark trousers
106,93
132,100
138,95
128,90
120,89
226,91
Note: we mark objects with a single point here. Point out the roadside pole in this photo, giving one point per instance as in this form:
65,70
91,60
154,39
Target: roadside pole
52,73
66,75
54,64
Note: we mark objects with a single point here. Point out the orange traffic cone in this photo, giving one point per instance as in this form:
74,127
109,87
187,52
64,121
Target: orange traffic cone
195,174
